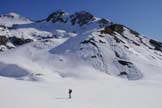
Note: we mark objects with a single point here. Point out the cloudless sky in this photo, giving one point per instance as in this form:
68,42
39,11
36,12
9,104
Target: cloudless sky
144,16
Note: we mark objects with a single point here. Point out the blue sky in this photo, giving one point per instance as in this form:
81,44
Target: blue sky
144,16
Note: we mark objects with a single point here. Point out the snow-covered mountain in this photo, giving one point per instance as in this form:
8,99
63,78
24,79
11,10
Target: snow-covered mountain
96,58
70,45
12,18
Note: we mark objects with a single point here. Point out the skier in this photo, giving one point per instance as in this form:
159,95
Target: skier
70,91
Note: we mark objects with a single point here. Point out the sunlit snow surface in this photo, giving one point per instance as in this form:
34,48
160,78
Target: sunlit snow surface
102,93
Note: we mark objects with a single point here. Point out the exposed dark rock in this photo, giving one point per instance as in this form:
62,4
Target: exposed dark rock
3,40
81,48
107,30
113,28
143,42
100,35
3,26
9,47
134,32
126,46
117,55
156,44
81,18
38,74
40,20
118,40
94,56
19,41
124,62
91,41
117,28
57,16
102,41
123,73
48,37
85,41
137,44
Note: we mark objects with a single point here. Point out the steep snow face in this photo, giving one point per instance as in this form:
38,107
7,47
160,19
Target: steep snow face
10,19
94,46
112,51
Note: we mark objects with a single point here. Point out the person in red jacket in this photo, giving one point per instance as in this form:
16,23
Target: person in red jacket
70,91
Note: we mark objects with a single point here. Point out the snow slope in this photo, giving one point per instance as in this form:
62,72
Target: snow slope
110,92
12,18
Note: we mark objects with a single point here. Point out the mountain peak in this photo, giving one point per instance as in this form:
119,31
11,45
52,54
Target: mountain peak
12,18
57,16
82,17
13,14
